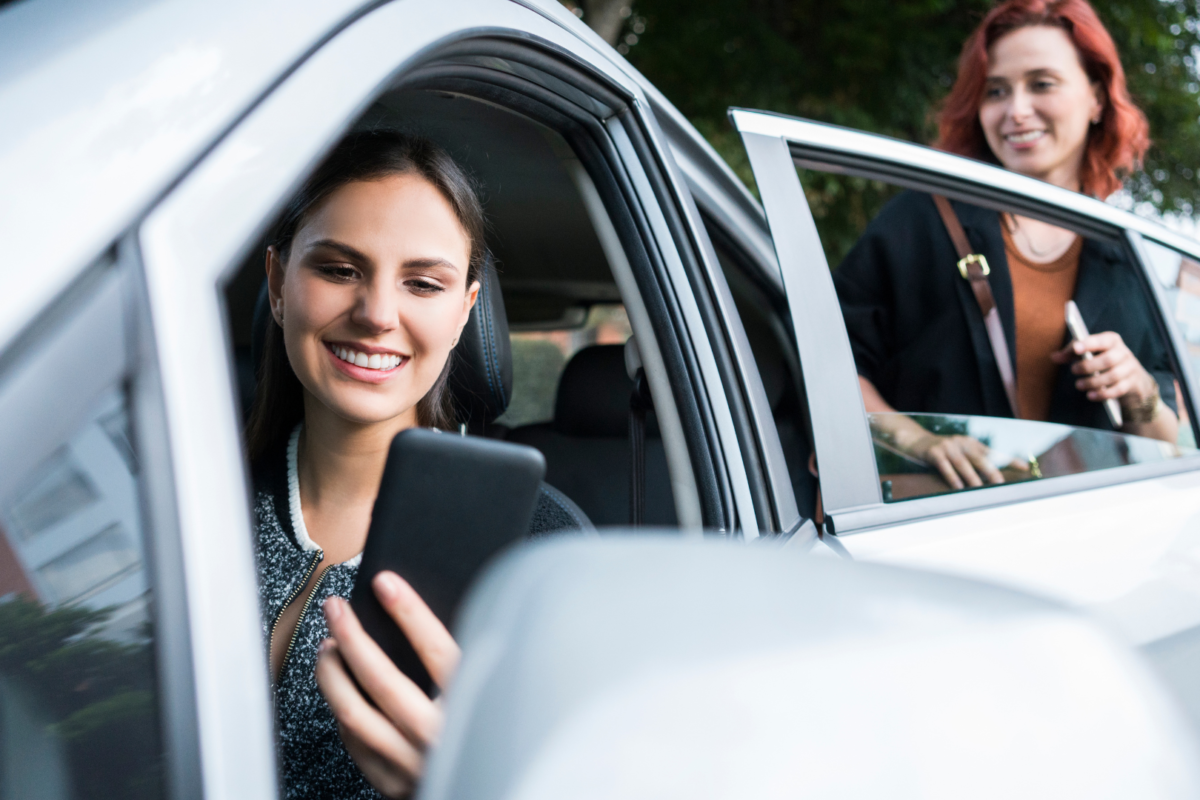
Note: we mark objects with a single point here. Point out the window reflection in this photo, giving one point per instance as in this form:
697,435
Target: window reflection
1020,450
78,711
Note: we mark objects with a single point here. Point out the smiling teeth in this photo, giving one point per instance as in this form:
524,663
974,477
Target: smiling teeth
1020,138
375,361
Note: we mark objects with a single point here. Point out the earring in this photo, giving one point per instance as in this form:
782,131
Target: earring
454,343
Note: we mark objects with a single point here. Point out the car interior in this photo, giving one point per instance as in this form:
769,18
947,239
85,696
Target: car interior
547,271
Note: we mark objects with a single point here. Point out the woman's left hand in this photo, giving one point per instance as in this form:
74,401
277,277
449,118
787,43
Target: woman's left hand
387,735
1113,372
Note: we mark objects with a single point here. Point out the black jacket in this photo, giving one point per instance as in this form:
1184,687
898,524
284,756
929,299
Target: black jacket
917,333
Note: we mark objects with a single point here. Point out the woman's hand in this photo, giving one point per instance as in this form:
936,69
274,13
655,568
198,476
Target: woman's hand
958,458
1113,372
387,740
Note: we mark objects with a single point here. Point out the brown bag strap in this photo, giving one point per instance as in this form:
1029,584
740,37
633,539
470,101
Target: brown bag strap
974,268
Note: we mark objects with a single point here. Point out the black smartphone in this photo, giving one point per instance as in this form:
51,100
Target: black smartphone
446,505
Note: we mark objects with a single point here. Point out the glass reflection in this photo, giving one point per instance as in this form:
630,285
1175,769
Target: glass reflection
1020,450
78,713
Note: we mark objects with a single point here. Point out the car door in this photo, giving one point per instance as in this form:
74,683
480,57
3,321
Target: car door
98,686
1114,533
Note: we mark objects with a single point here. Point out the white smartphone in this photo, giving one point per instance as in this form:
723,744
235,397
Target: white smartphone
1079,332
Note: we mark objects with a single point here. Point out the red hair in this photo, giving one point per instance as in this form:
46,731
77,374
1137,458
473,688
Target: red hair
1115,146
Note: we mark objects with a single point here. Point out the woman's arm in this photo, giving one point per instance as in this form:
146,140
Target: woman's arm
389,734
1114,372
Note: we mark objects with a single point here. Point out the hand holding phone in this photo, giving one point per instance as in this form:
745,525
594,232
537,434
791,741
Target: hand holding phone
1079,332
447,504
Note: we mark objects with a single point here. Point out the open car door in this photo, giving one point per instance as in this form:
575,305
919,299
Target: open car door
1099,518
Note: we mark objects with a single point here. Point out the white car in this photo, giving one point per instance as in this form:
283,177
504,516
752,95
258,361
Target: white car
146,146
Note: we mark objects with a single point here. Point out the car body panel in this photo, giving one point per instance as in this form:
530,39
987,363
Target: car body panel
96,131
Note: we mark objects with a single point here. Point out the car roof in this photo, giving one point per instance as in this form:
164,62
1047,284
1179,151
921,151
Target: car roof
106,105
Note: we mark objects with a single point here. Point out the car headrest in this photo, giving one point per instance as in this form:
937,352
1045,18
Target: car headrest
481,370
481,375
593,393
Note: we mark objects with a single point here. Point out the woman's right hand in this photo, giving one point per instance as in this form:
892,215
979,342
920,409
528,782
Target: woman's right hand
960,459
388,734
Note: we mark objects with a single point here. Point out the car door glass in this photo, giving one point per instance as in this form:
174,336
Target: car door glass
1178,277
1019,450
78,704
921,344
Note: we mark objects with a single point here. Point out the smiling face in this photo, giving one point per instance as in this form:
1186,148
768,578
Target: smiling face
373,297
1038,105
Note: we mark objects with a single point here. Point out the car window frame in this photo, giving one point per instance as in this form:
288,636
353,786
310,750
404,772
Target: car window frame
94,337
777,145
218,235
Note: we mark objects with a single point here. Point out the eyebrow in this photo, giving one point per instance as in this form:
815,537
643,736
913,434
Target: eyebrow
344,249
1030,73
427,263
356,255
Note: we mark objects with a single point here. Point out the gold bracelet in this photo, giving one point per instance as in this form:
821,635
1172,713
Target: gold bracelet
1147,410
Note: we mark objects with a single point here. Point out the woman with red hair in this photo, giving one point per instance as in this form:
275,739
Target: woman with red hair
1041,92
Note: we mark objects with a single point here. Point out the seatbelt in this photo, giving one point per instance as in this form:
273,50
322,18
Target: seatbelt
639,403
974,269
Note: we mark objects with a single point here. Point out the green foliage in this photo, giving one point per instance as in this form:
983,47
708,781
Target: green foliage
98,695
884,65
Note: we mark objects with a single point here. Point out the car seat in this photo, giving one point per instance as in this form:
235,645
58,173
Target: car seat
587,445
480,380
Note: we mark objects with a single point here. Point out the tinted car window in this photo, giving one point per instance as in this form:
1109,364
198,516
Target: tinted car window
1020,450
78,704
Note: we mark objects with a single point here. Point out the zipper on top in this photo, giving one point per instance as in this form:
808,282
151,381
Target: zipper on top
312,565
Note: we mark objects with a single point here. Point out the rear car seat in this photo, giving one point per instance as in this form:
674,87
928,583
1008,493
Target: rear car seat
587,445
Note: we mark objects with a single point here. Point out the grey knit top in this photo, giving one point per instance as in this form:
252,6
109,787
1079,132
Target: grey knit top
313,762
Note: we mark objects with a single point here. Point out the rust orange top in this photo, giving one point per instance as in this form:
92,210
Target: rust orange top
1040,292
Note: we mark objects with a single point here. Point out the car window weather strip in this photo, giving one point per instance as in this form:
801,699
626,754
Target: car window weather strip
594,146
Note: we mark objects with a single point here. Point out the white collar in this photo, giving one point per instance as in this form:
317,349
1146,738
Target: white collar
301,530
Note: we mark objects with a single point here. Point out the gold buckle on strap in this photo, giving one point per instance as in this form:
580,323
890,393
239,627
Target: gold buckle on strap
973,258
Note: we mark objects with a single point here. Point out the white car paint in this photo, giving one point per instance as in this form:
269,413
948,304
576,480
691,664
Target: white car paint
1130,553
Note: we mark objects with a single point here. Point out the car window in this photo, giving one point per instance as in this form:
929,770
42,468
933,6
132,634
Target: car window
541,350
1178,277
78,702
1020,450
932,335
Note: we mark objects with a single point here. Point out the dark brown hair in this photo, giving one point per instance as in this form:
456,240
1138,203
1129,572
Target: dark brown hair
1115,146
279,398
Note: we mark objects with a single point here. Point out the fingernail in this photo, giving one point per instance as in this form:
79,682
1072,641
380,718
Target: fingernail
324,645
387,586
333,608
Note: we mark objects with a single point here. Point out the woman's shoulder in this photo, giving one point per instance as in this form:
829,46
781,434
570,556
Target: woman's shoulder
906,209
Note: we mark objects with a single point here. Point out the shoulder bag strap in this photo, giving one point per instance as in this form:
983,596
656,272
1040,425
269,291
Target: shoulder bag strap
974,268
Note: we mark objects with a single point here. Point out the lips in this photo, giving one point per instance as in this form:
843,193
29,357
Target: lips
379,367
1024,137
381,361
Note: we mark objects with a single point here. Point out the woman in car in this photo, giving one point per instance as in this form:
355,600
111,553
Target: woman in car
372,273
1040,91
